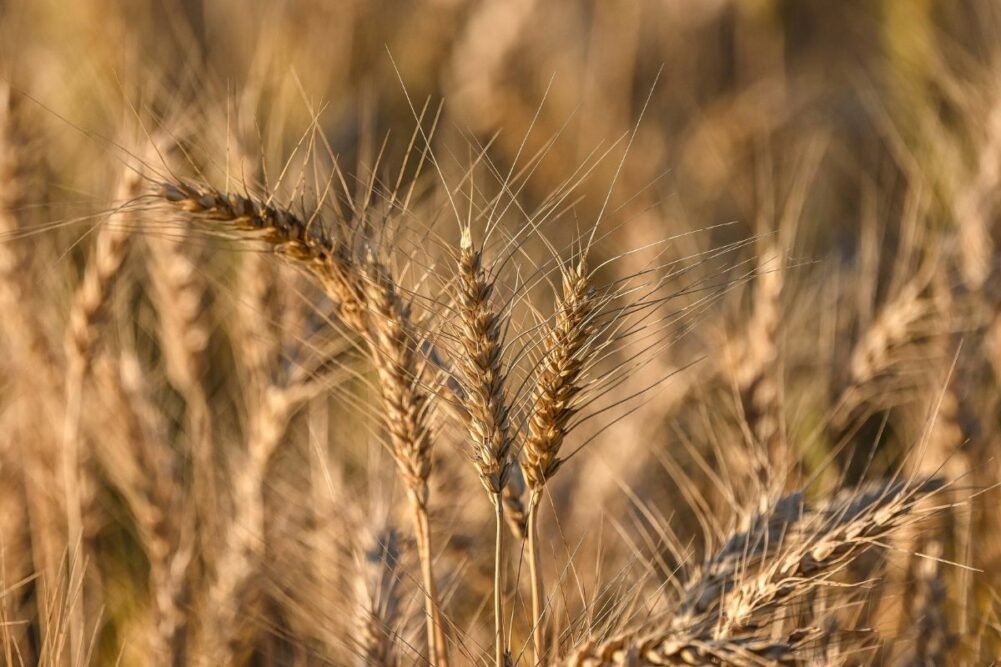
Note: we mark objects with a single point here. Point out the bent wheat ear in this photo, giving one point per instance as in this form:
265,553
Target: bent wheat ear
727,618
308,243
368,302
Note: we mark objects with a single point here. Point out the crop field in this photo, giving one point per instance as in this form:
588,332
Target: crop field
501,333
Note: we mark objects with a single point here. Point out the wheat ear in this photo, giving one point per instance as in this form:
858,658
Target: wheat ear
483,377
308,243
757,576
378,600
553,399
89,303
385,326
393,343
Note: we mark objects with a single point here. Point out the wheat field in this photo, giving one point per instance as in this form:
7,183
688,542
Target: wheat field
500,332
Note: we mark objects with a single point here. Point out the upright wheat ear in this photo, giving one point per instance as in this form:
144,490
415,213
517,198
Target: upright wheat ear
483,377
559,380
565,350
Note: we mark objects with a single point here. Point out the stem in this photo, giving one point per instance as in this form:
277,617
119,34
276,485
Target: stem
71,490
498,599
437,647
538,594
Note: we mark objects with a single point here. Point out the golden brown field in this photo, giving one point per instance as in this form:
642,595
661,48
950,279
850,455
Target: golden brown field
500,332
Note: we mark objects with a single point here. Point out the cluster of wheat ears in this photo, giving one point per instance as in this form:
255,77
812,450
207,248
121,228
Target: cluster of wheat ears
251,429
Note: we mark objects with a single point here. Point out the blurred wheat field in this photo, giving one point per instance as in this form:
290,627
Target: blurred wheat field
500,332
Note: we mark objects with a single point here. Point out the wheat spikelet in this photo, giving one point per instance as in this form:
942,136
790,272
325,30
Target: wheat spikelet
395,354
377,598
394,345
